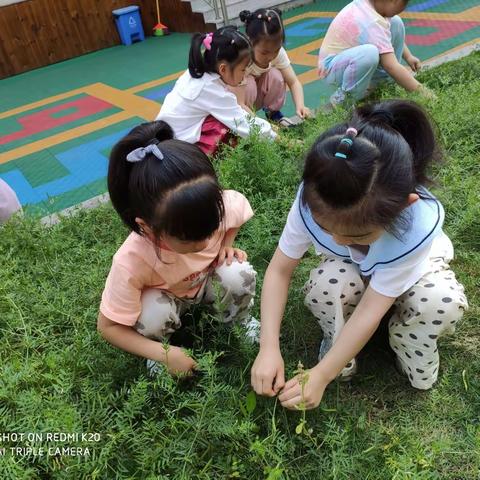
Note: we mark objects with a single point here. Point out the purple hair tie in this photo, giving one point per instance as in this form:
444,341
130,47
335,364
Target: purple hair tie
139,154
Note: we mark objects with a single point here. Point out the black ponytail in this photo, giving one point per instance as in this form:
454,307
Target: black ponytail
412,122
178,194
228,45
263,23
364,170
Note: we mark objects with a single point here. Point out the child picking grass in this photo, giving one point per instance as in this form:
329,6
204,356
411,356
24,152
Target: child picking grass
266,77
183,226
201,109
364,45
364,206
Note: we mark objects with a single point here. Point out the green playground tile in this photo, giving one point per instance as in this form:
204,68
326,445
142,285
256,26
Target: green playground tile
5,167
98,187
68,199
63,113
42,167
36,210
48,105
322,6
90,137
425,52
143,93
299,69
117,64
106,152
8,126
38,168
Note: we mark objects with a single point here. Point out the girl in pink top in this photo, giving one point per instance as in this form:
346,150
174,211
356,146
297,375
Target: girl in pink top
183,228
364,45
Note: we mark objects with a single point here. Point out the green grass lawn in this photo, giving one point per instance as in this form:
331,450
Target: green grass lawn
58,375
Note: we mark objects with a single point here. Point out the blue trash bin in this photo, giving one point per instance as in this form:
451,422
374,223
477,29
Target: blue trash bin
129,24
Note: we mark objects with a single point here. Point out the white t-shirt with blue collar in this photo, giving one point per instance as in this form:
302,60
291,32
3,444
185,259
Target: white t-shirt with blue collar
393,264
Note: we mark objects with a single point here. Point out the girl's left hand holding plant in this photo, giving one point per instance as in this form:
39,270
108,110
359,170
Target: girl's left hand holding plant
293,394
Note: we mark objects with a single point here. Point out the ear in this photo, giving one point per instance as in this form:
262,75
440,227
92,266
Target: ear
412,198
222,68
145,230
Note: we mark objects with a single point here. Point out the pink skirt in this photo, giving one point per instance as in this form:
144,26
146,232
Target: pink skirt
213,134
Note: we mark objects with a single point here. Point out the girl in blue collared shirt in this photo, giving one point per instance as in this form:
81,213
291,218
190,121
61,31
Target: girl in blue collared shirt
364,206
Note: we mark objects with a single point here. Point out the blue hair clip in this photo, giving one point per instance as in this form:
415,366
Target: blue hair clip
347,140
340,155
139,154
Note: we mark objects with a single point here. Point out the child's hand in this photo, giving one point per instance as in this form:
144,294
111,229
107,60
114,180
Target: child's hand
427,93
304,112
267,369
229,253
414,63
291,395
178,362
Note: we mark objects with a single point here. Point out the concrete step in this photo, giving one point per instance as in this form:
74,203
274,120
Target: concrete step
234,7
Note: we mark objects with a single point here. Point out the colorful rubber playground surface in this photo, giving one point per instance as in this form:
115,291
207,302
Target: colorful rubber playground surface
58,123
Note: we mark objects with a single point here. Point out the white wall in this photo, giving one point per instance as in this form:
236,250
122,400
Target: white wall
8,2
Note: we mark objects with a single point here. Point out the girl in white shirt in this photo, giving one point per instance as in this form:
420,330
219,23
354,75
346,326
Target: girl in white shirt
266,78
362,204
201,109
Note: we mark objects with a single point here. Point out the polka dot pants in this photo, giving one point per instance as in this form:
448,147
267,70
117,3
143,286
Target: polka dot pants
161,312
424,313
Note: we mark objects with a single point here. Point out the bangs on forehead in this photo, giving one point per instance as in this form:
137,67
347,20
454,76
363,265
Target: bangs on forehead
192,212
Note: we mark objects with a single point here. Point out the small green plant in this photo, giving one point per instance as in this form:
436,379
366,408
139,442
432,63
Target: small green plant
58,375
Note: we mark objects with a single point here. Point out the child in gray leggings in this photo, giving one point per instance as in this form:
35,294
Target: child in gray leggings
364,206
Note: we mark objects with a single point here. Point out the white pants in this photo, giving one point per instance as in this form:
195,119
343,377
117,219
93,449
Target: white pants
425,312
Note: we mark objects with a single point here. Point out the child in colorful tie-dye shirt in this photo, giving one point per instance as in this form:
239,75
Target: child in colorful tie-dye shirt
364,45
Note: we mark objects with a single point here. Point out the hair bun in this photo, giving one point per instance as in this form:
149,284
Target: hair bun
277,11
163,131
245,16
382,115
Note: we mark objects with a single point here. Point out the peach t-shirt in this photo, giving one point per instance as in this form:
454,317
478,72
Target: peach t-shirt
137,266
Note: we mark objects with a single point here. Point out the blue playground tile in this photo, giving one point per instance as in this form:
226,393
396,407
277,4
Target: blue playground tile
420,7
313,27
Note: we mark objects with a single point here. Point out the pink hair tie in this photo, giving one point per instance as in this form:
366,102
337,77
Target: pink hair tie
269,18
352,130
207,41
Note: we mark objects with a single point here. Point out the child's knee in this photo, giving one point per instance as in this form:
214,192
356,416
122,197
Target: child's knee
369,57
397,26
440,302
239,278
275,78
333,277
158,318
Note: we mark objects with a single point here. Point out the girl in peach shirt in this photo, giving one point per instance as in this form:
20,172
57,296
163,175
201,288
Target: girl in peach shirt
183,228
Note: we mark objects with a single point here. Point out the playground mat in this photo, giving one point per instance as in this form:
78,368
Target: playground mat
58,123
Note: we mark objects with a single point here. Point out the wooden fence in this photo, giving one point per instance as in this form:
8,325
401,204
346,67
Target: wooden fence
35,33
